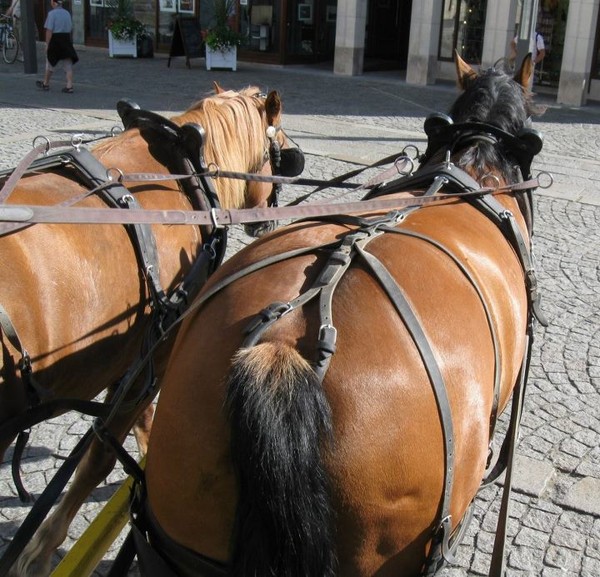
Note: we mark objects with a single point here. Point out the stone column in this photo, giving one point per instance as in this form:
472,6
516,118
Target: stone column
77,13
350,37
425,24
577,52
500,21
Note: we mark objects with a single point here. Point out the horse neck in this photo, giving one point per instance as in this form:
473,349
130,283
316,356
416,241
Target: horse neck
230,146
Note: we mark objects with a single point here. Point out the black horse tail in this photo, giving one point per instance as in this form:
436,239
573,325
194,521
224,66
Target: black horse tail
280,421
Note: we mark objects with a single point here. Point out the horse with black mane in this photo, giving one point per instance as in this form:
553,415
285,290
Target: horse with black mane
330,401
81,305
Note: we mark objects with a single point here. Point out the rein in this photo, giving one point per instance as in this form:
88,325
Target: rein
29,214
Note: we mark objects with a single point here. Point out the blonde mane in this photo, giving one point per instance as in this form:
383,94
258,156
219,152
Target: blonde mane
235,125
236,140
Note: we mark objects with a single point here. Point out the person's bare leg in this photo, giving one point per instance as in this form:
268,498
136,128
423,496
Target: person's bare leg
69,74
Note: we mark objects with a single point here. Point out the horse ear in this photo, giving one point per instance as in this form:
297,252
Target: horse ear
523,76
273,107
218,88
464,73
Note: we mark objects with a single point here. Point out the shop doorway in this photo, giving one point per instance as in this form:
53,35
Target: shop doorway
310,31
387,35
551,24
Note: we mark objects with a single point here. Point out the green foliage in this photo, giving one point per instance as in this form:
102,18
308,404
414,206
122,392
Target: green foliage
124,25
220,36
126,28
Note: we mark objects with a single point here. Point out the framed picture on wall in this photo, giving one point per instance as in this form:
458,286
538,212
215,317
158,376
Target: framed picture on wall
305,13
97,3
186,6
331,13
168,5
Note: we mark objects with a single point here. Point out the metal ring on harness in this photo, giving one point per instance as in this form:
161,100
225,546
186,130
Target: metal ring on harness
493,177
406,160
47,143
77,141
548,176
116,130
111,170
411,147
213,170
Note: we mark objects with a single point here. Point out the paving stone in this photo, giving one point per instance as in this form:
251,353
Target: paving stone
584,496
531,476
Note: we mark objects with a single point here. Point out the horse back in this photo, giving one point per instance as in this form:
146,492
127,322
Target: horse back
76,293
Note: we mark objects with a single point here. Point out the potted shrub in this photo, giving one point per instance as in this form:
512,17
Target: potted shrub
221,41
125,32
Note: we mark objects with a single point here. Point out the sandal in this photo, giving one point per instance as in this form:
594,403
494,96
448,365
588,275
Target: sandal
68,90
41,85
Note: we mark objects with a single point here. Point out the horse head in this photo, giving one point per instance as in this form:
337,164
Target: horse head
488,133
251,120
495,110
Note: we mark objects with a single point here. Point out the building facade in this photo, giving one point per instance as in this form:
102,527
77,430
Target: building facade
417,38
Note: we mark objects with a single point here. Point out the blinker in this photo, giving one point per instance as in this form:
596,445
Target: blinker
292,162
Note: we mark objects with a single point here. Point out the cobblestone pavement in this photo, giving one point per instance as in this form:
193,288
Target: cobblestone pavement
554,528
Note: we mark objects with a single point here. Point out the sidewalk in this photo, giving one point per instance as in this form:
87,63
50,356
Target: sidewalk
357,119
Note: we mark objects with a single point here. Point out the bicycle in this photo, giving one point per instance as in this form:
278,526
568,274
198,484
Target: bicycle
8,39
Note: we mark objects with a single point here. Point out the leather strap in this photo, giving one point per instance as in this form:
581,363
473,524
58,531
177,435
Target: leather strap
498,561
412,323
24,164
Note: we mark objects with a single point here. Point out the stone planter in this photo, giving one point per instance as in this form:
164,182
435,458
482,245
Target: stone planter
118,47
221,58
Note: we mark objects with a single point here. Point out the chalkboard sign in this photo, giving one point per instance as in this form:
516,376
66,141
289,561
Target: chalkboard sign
187,39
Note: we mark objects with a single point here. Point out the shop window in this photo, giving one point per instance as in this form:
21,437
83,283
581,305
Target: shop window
463,24
595,72
259,25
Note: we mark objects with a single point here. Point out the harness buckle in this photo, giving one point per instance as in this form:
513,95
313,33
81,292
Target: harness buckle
327,338
210,249
213,218
25,363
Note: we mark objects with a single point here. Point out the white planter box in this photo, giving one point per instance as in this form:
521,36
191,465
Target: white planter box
118,47
221,59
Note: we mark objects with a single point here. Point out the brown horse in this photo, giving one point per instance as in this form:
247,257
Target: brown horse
76,296
335,417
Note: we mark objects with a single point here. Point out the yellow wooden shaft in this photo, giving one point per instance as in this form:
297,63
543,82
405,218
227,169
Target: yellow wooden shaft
90,548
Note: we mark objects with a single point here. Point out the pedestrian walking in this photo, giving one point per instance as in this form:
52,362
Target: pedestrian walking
59,46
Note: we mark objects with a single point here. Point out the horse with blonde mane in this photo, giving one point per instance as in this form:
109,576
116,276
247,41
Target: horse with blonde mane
83,301
329,403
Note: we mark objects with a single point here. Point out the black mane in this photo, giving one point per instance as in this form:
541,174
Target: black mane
492,97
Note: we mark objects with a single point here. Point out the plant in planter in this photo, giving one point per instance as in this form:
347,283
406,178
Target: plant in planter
125,31
221,40
126,28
